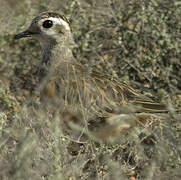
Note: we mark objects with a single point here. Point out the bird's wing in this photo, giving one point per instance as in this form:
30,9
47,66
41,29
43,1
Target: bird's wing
144,103
122,93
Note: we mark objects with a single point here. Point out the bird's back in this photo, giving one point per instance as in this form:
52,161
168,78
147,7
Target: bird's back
79,87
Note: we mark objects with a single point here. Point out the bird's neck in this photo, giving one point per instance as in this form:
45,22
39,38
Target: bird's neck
54,52
56,55
47,49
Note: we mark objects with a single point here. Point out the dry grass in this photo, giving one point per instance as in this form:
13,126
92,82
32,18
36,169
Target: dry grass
137,41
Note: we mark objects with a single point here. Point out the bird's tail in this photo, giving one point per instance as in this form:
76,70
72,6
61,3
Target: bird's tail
152,107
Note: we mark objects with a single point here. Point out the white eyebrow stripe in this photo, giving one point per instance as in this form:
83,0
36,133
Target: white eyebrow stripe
60,21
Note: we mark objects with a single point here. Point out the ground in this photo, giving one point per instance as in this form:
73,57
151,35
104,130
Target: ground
137,41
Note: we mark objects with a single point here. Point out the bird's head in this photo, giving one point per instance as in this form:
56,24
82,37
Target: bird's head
47,27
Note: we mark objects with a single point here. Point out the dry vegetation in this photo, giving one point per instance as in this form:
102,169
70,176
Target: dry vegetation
137,41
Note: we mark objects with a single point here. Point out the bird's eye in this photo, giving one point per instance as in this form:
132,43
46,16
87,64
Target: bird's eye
47,24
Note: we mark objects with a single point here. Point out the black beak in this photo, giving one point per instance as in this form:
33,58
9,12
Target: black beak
24,34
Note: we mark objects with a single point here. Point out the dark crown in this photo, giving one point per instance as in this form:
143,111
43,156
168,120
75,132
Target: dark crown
50,14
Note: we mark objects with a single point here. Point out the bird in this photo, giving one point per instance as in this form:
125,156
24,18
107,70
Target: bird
78,91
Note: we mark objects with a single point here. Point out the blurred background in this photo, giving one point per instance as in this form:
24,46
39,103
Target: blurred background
137,41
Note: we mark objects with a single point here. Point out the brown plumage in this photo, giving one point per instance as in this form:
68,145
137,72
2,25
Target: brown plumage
68,86
78,85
